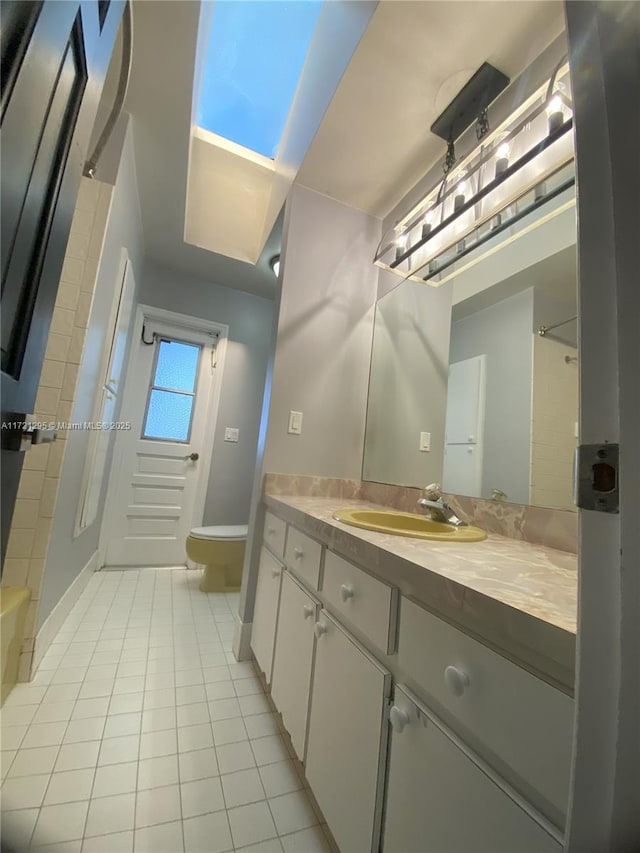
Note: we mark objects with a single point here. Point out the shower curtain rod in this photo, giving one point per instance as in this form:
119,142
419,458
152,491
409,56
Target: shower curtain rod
543,330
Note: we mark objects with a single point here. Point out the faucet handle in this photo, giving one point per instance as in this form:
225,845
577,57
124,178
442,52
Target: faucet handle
432,492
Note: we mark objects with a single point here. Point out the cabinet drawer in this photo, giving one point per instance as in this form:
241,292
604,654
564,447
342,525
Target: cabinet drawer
367,603
497,706
440,796
302,556
274,533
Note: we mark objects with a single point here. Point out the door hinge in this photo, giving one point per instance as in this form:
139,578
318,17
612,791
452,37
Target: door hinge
596,477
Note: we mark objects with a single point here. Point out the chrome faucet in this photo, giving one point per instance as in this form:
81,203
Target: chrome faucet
437,508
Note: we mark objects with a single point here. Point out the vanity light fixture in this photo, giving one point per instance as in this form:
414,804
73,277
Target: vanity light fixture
526,162
274,263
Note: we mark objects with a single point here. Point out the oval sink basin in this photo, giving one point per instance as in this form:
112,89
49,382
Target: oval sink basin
408,524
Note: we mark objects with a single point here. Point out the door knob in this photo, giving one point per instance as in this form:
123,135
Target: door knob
456,680
398,718
193,457
346,592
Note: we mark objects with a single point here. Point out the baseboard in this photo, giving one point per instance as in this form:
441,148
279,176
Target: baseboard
241,639
54,620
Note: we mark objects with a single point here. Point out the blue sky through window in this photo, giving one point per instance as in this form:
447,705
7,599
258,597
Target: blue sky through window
256,52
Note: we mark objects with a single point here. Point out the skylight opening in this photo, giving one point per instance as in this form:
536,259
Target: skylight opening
256,52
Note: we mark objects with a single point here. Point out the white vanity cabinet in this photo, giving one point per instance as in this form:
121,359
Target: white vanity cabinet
346,745
508,713
480,748
293,659
265,614
441,798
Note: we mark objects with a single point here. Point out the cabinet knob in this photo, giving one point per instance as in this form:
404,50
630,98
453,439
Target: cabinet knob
320,629
271,530
298,553
308,610
346,592
456,680
398,718
276,572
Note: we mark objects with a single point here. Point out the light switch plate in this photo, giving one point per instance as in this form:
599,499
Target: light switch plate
231,434
295,423
425,441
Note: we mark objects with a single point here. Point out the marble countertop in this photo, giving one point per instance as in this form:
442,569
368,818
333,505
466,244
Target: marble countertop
516,597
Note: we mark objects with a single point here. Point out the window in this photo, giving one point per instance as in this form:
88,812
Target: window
172,393
255,56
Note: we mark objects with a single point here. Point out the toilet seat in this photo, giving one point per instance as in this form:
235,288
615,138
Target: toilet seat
226,532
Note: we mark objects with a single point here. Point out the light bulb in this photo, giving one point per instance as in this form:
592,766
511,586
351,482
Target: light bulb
401,245
556,108
461,188
554,105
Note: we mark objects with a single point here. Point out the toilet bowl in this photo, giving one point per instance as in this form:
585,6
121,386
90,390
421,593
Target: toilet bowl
221,551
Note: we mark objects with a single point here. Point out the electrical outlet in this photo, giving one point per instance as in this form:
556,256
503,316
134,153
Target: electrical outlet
295,423
231,434
425,441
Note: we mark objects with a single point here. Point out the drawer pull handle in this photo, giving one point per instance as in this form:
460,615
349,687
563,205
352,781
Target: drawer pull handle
398,718
271,531
456,680
276,572
308,610
346,592
320,629
298,553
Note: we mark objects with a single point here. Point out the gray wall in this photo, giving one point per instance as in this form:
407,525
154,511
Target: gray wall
408,385
67,555
250,321
323,348
503,332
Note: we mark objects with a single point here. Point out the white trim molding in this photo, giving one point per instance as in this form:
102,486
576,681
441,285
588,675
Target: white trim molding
54,620
241,639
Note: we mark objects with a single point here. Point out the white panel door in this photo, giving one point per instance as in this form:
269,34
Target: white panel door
265,613
158,460
465,401
346,742
462,469
293,659
442,799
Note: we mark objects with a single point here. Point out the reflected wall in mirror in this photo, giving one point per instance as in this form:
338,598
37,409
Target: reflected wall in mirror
463,388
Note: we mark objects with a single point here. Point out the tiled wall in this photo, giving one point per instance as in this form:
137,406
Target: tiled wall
554,413
32,519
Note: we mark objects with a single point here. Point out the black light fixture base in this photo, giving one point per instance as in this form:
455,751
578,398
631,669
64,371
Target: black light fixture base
475,96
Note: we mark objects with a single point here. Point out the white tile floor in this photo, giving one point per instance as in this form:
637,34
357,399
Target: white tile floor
140,732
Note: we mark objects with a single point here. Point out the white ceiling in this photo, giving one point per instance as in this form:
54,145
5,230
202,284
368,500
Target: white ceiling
374,142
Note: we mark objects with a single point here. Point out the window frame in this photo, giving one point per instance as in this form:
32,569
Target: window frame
159,338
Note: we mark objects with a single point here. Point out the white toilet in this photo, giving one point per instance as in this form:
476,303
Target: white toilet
220,549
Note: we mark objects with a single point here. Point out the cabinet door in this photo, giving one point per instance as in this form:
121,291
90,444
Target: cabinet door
347,737
443,799
265,614
293,658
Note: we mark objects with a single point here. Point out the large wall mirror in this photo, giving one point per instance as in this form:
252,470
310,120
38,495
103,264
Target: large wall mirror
464,390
